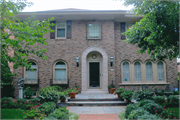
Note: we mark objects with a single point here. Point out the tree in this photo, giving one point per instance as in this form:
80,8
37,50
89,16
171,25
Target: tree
27,35
157,32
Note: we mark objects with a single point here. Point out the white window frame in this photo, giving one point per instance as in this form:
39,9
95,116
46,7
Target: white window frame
57,28
31,82
99,30
130,72
133,74
60,82
153,76
156,74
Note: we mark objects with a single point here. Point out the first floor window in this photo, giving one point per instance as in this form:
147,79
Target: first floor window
160,69
137,71
149,74
125,71
31,74
60,71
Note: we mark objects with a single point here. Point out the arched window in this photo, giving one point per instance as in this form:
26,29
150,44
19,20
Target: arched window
60,72
160,70
137,71
126,72
31,74
149,71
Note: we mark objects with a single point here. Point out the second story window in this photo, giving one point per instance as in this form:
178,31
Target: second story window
61,30
94,31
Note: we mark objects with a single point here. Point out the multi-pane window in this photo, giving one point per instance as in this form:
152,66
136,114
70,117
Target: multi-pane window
61,29
160,70
93,31
31,74
149,73
137,71
60,72
125,71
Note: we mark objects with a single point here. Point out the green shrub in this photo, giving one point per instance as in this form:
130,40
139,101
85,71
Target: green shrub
22,101
34,101
130,108
143,102
173,101
47,107
34,114
6,102
73,116
148,117
49,94
159,99
176,92
136,113
160,93
49,118
153,108
127,94
28,93
140,95
58,88
60,113
119,90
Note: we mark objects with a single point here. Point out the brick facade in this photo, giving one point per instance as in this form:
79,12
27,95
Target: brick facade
68,49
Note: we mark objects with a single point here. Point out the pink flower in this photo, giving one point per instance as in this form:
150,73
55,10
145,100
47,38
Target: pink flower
24,112
173,111
36,101
154,108
39,103
158,86
30,102
156,111
155,101
174,118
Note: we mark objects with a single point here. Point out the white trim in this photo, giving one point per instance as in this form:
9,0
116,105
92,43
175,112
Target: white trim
56,30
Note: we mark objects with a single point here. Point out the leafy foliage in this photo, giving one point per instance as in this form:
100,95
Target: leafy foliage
28,93
159,99
127,94
144,102
140,95
148,117
47,107
22,36
60,113
153,108
119,90
130,108
136,113
157,32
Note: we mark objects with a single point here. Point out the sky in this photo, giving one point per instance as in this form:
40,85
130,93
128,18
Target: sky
43,5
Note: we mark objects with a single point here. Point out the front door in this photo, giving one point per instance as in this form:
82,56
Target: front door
94,74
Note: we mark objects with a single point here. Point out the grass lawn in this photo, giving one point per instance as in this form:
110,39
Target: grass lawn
175,111
12,113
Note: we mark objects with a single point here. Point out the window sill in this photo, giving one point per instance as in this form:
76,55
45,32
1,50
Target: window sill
143,83
31,83
93,38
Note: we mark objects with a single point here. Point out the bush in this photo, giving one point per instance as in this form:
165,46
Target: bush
62,105
58,88
34,101
153,108
73,116
34,114
140,95
160,93
136,113
173,101
119,90
49,94
6,102
148,117
47,107
60,113
130,108
159,99
176,92
144,102
49,118
127,94
28,93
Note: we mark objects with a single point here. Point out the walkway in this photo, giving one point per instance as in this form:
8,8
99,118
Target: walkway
97,112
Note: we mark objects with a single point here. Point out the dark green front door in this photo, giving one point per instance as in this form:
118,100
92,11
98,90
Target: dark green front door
94,74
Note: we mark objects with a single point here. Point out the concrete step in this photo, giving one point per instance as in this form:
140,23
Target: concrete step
94,99
96,103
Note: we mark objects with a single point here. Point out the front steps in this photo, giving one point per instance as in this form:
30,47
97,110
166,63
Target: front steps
95,100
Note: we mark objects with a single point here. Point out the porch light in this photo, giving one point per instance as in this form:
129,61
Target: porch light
111,60
77,61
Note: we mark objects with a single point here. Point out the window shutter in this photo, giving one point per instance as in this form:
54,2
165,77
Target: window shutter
52,34
123,30
69,23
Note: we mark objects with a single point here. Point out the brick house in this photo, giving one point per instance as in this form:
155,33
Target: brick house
93,37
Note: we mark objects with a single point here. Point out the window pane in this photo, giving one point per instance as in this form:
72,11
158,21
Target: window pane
60,32
160,71
60,75
149,75
31,75
60,65
137,71
61,25
125,71
94,30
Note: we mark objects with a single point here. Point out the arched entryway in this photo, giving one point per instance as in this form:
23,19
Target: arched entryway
94,63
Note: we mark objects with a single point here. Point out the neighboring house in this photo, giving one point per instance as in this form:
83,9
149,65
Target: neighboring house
95,37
